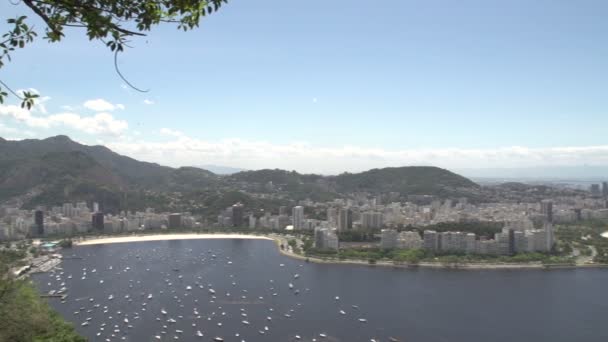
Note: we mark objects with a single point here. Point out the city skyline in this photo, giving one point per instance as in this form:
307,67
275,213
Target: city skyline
451,85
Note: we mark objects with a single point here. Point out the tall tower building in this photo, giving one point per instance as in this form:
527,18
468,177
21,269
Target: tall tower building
605,189
546,208
97,221
298,217
332,216
549,236
39,221
345,219
237,215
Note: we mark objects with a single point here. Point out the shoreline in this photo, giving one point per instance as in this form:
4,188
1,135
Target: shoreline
279,239
165,237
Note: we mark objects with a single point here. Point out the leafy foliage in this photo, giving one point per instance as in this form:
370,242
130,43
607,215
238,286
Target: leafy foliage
112,22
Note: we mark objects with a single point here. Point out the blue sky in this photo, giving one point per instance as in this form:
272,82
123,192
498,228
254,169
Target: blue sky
326,86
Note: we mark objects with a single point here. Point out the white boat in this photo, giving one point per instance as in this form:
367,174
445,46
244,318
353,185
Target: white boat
163,311
296,276
188,288
342,312
323,335
246,322
150,296
212,291
290,285
362,320
199,333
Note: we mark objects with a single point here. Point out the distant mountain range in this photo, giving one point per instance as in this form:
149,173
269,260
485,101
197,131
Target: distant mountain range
57,169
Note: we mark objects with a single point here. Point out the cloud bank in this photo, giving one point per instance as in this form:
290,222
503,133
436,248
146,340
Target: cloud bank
100,123
179,150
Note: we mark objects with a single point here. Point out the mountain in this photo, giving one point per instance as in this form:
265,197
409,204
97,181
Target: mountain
56,170
220,170
410,180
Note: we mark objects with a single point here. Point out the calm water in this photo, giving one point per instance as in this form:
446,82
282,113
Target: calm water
409,305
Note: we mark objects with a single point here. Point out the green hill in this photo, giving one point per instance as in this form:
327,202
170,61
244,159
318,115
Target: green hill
409,180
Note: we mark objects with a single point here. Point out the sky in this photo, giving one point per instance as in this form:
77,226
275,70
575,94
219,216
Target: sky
333,86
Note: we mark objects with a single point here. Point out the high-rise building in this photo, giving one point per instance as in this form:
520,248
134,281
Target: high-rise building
546,209
430,240
39,222
345,219
298,217
175,221
326,239
372,220
595,190
605,189
282,210
97,221
237,215
549,236
332,216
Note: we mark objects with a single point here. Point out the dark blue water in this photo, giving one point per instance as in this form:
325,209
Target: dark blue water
408,305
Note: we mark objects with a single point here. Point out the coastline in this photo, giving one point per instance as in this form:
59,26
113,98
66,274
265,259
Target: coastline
163,237
279,239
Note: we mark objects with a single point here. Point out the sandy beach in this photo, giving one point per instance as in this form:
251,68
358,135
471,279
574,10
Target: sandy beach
162,237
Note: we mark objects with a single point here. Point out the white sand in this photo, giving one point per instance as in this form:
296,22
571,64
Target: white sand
162,237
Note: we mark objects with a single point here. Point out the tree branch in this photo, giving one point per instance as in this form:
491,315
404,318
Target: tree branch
11,90
41,14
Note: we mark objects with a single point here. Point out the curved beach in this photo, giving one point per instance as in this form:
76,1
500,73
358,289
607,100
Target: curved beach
162,237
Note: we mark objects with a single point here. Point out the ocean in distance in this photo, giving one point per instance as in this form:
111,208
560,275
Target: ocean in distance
118,292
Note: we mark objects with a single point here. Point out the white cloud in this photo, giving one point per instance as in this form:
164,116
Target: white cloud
101,105
15,132
148,102
171,132
181,150
100,123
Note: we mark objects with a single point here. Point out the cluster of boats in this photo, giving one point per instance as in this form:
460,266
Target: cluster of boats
117,325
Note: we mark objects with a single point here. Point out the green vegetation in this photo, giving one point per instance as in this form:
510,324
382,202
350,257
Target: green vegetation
65,243
26,317
586,237
414,256
412,180
358,236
